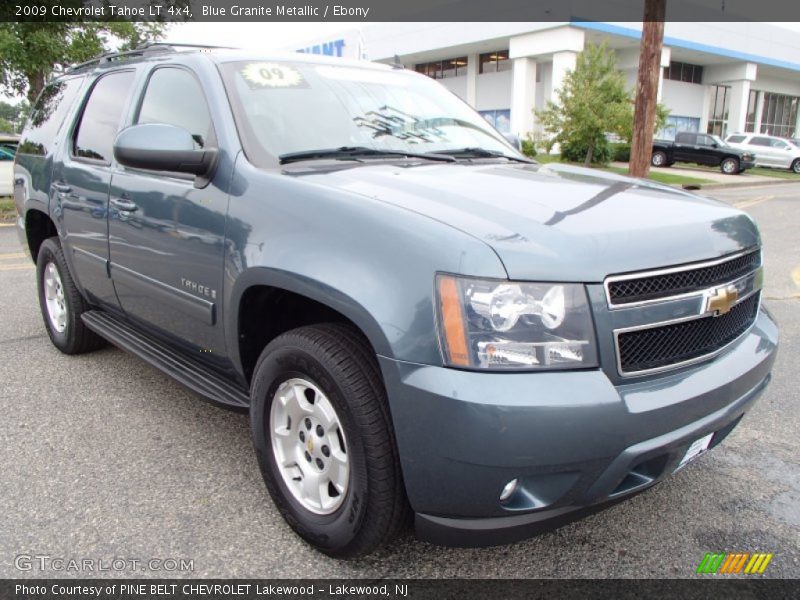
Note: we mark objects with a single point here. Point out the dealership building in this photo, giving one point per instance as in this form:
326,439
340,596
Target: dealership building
716,77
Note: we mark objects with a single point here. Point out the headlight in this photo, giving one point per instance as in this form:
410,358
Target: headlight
491,324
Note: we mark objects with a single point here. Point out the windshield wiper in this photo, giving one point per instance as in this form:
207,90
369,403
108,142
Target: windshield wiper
356,152
475,152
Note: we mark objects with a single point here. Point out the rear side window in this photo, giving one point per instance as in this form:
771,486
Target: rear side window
761,141
94,137
47,116
686,138
174,97
736,139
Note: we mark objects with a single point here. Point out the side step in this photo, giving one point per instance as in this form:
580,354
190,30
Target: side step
193,375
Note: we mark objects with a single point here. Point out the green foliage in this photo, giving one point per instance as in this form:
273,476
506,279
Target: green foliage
621,152
528,147
13,114
30,51
592,102
6,126
575,150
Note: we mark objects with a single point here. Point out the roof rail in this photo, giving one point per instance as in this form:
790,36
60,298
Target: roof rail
142,50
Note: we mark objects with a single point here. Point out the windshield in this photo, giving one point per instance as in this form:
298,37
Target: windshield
287,107
718,140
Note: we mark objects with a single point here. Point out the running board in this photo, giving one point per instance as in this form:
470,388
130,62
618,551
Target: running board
196,377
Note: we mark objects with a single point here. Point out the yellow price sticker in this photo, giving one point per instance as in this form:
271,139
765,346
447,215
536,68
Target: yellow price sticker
272,75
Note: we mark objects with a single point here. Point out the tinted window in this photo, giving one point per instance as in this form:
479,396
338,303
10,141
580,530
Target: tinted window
761,141
100,120
47,116
735,139
779,144
189,112
686,138
6,155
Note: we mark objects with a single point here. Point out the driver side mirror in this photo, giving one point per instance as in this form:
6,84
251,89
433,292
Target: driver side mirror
161,147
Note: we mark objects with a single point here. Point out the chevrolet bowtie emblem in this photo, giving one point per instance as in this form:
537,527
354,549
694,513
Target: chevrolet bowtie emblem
722,300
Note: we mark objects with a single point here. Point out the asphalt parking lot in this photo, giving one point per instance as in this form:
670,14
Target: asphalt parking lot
104,457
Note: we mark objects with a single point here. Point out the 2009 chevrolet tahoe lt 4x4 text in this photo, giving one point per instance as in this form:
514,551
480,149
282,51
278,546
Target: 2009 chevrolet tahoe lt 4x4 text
419,320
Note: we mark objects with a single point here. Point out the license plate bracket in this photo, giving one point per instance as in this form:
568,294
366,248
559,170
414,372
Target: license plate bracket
697,448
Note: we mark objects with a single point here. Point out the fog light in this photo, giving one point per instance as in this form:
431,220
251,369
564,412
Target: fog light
510,488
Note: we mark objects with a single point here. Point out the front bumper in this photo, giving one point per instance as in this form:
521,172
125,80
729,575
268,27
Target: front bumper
575,441
747,163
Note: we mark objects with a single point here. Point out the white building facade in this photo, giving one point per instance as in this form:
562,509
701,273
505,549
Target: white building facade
716,77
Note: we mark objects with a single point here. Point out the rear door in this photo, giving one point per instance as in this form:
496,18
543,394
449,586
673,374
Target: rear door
81,178
167,230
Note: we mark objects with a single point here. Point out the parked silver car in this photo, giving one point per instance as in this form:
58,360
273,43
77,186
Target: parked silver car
770,151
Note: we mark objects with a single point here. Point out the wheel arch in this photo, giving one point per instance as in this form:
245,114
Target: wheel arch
38,227
297,301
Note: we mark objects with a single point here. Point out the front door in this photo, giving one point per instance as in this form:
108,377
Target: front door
167,231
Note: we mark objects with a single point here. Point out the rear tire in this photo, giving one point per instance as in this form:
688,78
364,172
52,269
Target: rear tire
62,303
309,384
729,166
659,159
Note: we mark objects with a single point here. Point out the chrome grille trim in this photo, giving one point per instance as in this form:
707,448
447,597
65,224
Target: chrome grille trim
751,282
668,271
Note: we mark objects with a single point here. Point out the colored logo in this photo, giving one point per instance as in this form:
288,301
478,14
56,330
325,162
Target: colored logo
722,300
736,562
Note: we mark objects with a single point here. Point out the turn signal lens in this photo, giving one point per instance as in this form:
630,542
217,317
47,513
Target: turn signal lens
455,337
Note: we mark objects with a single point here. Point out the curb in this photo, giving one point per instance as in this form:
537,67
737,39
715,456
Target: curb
712,186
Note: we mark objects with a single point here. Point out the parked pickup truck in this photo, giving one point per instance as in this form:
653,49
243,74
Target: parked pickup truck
703,149
418,319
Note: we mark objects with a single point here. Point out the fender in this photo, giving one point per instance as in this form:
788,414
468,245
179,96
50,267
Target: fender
303,286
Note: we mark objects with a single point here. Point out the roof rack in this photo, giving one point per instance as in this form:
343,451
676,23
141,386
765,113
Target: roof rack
143,50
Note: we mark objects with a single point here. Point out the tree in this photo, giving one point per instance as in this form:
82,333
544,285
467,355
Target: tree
14,115
647,87
592,101
6,126
31,51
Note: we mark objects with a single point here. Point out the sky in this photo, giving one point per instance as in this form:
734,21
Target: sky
263,36
277,36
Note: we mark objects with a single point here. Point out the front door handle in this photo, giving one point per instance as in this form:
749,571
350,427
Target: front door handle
62,188
123,205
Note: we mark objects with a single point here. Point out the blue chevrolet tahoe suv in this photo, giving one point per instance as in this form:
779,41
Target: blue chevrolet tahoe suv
420,321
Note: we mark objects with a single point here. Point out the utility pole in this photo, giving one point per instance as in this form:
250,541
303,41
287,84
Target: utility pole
644,118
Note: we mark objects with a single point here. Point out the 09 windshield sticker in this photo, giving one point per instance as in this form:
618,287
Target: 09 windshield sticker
267,75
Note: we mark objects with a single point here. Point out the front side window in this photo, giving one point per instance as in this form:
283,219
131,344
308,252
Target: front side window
94,137
174,97
287,107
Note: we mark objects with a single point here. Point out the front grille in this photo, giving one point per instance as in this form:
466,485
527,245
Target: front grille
656,286
657,347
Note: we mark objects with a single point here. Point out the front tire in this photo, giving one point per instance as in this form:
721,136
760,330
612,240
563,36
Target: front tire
659,159
796,166
62,303
730,166
324,440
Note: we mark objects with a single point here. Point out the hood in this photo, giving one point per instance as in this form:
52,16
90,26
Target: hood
556,222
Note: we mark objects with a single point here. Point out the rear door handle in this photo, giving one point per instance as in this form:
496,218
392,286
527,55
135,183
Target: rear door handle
123,204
